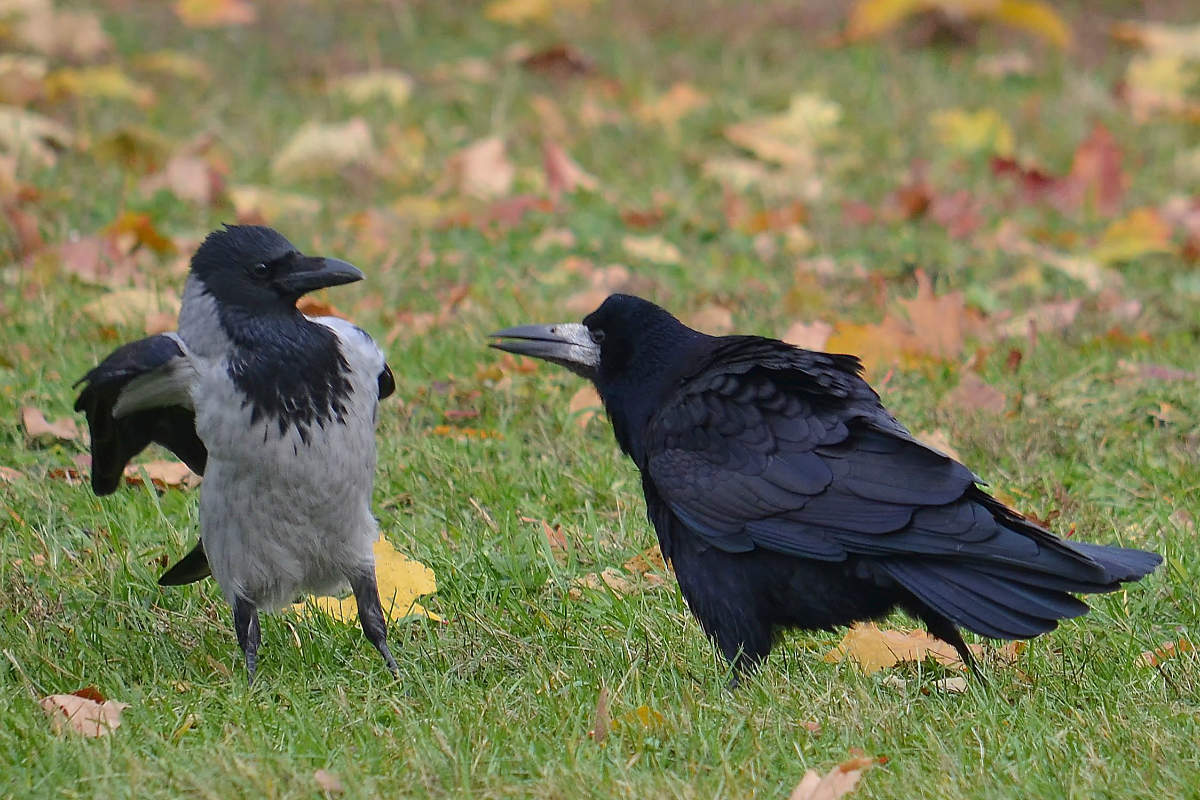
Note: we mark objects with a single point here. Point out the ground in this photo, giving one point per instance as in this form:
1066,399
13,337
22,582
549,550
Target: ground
1095,428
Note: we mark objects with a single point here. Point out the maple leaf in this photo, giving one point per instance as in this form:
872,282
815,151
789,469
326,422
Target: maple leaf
39,429
1096,176
401,581
792,137
838,782
875,649
1143,232
83,714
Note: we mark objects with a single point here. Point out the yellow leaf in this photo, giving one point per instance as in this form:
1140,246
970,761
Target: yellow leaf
128,307
1157,37
792,137
251,202
389,85
401,581
652,248
871,18
521,12
215,13
1143,232
874,649
1035,17
643,717
678,101
970,133
174,64
108,82
320,150
1161,83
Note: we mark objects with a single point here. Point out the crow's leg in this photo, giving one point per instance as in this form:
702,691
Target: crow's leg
370,615
245,624
944,629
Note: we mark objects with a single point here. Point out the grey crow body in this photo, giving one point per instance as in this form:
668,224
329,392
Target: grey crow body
785,495
276,409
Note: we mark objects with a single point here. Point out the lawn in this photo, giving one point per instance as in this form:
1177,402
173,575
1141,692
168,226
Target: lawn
1052,230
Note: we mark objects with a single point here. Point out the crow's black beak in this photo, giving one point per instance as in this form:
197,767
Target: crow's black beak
313,272
568,343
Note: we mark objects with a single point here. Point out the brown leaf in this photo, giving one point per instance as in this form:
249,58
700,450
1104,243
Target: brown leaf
558,61
327,782
215,13
481,169
939,440
809,335
584,405
27,134
1166,650
564,176
975,394
838,782
712,319
316,307
135,229
188,177
74,35
652,248
319,150
162,474
37,428
670,107
874,649
83,715
1096,177
600,719
1043,318
10,475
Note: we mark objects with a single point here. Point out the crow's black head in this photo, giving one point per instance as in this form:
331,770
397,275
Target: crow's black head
255,268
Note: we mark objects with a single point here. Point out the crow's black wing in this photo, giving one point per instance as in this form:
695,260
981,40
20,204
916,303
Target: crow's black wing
768,446
138,395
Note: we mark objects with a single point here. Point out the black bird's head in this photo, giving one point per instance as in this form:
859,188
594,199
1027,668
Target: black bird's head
256,269
631,349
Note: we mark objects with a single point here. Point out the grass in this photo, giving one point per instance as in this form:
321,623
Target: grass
498,701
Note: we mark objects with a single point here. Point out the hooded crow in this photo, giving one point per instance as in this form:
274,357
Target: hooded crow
785,495
276,409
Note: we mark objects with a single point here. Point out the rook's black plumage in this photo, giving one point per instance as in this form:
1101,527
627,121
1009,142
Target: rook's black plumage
784,494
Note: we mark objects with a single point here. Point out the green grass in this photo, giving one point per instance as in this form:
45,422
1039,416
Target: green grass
498,701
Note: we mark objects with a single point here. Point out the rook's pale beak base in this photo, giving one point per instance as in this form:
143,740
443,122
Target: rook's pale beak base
568,344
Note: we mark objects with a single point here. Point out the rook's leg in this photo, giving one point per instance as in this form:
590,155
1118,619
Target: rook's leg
245,624
370,615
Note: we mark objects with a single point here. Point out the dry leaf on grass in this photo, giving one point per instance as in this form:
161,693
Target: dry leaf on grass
585,405
320,150
600,719
261,204
673,105
874,649
162,474
327,782
838,782
712,319
652,248
873,18
28,134
1143,232
387,85
939,440
131,307
215,13
481,169
10,475
973,393
188,177
973,132
809,335
563,175
39,429
792,137
84,715
401,581
1166,650
69,35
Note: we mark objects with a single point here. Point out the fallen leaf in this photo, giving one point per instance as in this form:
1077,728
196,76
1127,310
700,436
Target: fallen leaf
838,782
215,13
1160,84
401,581
558,61
70,35
22,78
713,319
83,715
563,175
1165,651
27,134
131,307
874,649
670,107
809,335
188,177
1096,176
1086,270
956,685
162,474
259,203
481,169
327,782
174,64
873,18
973,393
1160,38
1043,318
642,718
939,440
585,405
39,429
134,229
320,150
10,475
600,718
522,12
790,138
1156,372
1143,232
315,307
652,248
1004,65
611,578
107,82
973,132
389,86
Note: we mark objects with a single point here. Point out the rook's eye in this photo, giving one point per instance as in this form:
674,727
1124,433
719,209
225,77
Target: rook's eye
597,336
260,270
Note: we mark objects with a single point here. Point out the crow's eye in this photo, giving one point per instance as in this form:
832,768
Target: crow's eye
260,270
597,336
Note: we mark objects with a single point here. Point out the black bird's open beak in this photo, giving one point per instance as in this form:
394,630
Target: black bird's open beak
315,272
566,343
